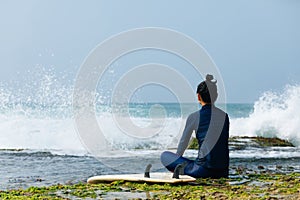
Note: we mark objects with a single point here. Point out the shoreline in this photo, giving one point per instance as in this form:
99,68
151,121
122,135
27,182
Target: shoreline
242,186
261,178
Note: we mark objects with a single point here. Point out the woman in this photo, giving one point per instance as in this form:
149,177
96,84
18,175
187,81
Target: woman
211,126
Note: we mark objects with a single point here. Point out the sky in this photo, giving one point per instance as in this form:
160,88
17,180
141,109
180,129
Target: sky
255,44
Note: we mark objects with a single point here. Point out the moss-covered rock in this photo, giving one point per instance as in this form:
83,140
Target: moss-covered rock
193,144
259,141
273,142
241,142
258,186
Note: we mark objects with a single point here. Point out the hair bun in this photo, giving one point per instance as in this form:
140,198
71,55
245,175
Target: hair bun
209,77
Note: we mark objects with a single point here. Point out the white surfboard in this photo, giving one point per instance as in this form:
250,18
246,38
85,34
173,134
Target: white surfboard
158,177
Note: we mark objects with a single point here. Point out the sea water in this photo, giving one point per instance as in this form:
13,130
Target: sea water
40,144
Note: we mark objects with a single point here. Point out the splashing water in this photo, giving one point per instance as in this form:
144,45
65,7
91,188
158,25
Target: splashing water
38,115
275,115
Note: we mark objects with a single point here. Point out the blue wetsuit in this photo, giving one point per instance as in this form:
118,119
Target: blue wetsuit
212,131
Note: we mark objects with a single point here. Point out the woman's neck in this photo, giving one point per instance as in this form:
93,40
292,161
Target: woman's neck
204,104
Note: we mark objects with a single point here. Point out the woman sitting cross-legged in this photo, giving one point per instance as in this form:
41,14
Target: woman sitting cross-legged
211,126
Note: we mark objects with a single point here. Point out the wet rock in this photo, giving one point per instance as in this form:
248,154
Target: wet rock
241,182
278,167
242,142
260,167
273,142
193,144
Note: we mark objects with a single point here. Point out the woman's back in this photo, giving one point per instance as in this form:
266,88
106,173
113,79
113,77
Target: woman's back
212,136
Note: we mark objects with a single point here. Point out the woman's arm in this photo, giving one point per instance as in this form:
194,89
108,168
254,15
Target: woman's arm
192,123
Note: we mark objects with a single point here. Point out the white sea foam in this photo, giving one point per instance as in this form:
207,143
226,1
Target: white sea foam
21,132
276,114
271,152
41,118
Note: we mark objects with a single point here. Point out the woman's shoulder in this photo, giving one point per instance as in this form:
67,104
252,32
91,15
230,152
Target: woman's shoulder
220,112
194,116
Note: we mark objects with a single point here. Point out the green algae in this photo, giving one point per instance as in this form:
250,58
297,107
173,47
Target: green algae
241,142
262,141
273,142
274,186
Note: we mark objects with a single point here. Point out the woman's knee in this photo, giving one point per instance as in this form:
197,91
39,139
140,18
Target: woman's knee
165,156
168,158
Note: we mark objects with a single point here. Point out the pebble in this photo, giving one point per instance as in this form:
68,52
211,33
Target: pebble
260,167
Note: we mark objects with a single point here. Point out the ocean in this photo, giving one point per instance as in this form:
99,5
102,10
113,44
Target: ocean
40,145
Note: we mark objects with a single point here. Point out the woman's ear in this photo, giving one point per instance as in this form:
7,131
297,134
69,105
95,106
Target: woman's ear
199,97
200,100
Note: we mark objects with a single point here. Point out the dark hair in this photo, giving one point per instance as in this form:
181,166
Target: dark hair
208,89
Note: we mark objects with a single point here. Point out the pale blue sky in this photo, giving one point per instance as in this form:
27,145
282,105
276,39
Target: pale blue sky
255,44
